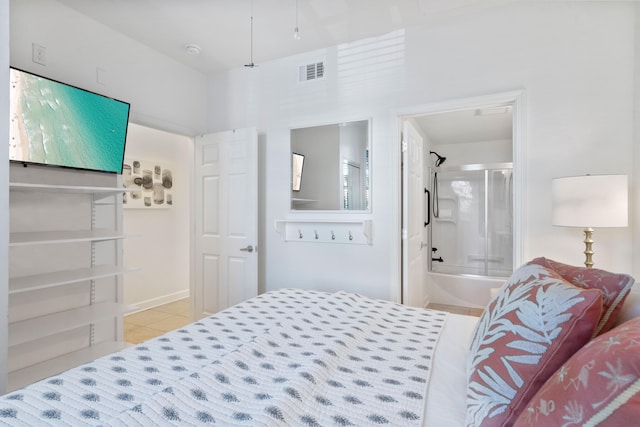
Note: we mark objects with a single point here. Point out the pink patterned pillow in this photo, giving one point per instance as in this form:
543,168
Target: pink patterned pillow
532,326
599,384
615,288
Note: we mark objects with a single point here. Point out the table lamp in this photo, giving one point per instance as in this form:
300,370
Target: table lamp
590,201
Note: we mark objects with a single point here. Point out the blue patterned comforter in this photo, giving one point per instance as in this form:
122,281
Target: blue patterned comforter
286,357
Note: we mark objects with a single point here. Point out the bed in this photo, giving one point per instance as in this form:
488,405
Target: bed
287,357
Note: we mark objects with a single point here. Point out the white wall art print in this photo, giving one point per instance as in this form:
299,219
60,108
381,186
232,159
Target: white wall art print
153,179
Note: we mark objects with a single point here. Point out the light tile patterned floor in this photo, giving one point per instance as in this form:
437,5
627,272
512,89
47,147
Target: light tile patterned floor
147,324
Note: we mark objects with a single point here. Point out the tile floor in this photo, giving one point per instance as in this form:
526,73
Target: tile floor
147,324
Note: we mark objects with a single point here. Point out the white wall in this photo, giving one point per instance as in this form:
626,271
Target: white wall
4,189
578,84
160,247
163,93
579,101
634,182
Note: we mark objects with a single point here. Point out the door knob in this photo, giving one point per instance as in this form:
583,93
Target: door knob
247,249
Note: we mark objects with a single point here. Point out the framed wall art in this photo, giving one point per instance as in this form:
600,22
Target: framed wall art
153,179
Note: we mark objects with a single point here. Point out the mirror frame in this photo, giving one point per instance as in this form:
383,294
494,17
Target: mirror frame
369,144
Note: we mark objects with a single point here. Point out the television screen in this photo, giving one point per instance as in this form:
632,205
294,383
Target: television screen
52,123
297,162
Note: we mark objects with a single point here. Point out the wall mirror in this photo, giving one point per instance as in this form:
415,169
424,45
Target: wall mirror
330,167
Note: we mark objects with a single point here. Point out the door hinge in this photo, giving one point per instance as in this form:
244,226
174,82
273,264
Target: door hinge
404,234
404,146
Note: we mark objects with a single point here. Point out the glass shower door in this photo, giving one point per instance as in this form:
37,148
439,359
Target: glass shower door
499,218
472,221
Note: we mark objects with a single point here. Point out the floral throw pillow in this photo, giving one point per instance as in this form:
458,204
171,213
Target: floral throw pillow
531,327
599,385
615,287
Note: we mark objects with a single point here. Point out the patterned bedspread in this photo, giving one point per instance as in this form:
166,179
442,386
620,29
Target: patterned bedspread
287,357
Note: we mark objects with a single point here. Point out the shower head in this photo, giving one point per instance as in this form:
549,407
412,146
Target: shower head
440,160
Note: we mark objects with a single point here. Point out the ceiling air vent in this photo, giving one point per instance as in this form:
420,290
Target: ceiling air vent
309,72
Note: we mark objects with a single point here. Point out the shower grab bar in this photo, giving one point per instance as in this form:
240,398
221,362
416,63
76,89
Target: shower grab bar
428,206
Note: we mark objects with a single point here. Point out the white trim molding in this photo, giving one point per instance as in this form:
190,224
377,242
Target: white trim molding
516,99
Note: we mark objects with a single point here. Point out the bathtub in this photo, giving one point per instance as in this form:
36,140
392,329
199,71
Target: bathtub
461,290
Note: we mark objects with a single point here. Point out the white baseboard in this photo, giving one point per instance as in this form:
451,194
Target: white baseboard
164,299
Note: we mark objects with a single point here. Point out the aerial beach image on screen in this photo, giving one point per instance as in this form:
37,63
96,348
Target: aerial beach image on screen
56,124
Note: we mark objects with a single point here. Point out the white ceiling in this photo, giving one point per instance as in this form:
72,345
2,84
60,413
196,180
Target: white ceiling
222,28
460,127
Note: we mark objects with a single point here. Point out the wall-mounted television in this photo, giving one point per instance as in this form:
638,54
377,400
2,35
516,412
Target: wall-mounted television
297,162
56,124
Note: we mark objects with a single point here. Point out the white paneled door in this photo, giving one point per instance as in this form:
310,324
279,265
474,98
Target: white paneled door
414,216
226,220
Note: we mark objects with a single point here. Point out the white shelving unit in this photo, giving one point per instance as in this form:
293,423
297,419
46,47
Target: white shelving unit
53,237
40,327
98,191
62,317
59,278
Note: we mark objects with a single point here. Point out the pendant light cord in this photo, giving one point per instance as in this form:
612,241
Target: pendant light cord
296,30
251,64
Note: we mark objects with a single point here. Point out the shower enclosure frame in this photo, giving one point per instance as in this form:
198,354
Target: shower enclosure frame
486,168
398,287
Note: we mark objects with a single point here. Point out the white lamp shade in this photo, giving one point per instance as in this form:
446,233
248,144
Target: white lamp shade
590,201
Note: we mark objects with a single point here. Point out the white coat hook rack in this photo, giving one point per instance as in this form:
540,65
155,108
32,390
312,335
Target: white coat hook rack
356,232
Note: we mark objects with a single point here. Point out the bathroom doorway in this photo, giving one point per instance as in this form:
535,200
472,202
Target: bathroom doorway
461,172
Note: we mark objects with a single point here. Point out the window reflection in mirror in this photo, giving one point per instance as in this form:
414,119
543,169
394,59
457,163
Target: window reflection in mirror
336,167
297,164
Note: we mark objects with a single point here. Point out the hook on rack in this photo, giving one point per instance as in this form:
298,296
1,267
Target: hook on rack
325,231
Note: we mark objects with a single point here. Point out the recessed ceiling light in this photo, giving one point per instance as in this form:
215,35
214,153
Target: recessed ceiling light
192,49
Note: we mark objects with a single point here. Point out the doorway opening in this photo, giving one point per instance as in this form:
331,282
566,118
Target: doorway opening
460,221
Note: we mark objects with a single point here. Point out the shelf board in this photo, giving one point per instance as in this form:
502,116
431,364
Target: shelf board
47,237
59,278
22,377
40,327
48,188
